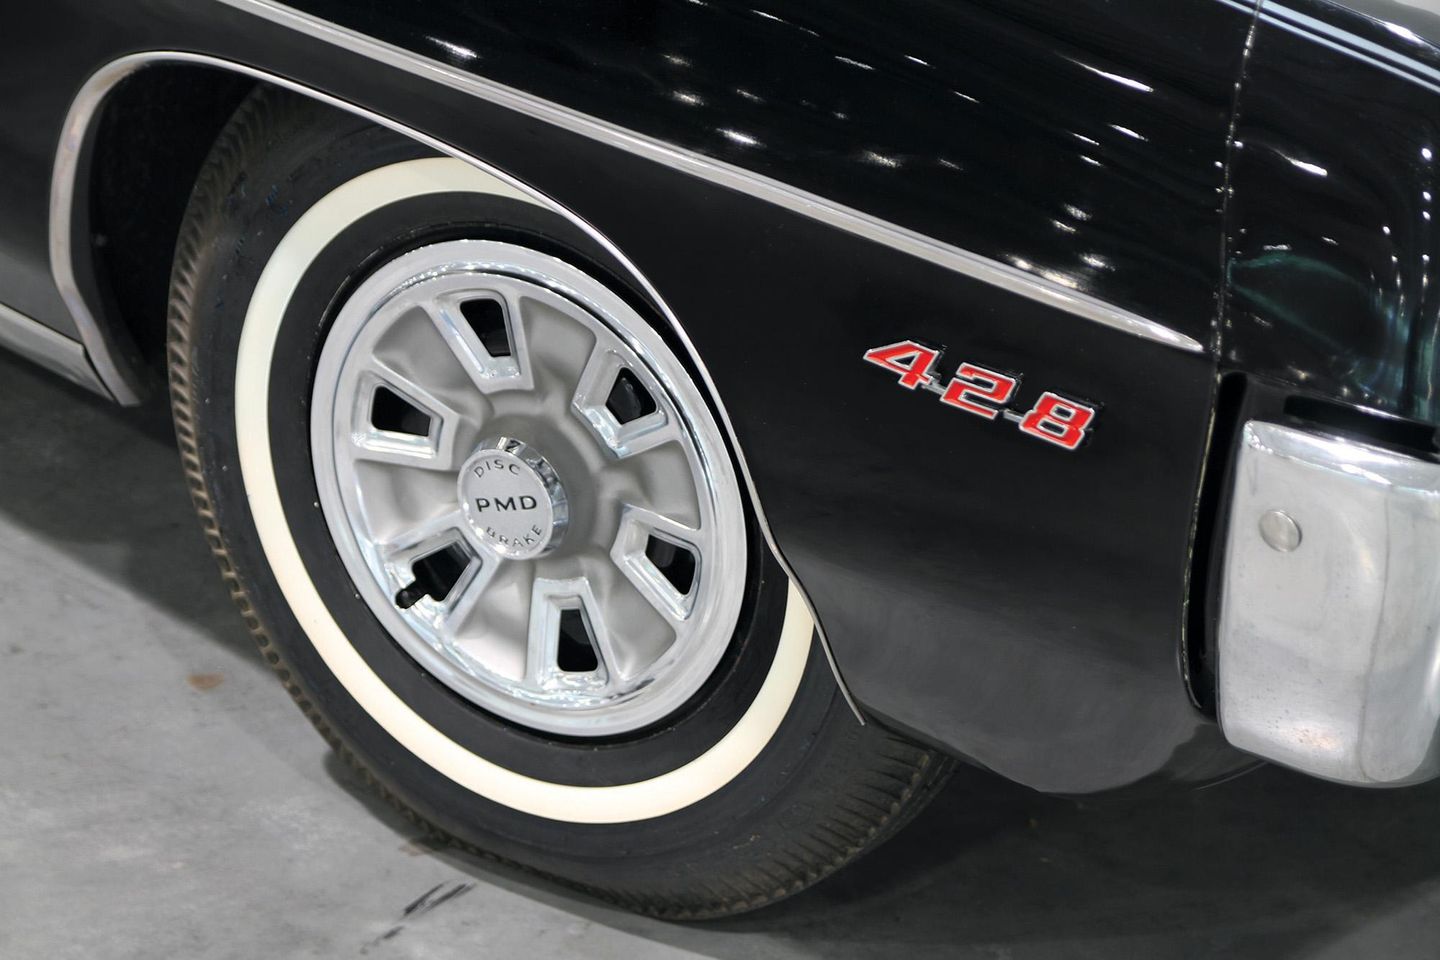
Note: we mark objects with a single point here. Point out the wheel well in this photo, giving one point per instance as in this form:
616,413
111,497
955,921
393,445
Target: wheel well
151,138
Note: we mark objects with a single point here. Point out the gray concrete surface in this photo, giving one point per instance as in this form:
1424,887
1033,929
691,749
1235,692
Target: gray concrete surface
160,797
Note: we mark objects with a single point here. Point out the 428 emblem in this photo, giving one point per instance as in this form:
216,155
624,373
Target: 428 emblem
986,393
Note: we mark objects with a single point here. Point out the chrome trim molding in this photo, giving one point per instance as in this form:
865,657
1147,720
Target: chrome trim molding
1329,638
37,342
120,377
723,174
83,112
1318,31
1413,21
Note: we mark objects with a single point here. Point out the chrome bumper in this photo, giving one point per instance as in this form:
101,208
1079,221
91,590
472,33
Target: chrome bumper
1328,655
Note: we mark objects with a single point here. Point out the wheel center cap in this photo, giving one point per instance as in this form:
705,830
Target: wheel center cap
512,499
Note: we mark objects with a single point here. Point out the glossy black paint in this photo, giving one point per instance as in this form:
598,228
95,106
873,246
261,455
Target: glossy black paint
1078,141
1332,257
31,111
1021,604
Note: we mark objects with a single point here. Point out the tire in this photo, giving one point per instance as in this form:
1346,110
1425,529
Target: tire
746,785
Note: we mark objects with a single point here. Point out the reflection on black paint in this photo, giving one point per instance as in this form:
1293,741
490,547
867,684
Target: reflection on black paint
1333,244
970,122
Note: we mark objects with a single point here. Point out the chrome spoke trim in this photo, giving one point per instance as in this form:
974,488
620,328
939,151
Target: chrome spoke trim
486,371
435,449
638,527
422,539
550,600
527,488
621,439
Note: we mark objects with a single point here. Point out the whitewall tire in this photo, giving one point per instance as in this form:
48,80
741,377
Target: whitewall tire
750,781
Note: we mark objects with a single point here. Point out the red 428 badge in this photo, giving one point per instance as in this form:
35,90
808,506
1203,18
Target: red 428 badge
987,393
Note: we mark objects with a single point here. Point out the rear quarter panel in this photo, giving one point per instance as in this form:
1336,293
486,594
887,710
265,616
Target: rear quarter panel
1019,603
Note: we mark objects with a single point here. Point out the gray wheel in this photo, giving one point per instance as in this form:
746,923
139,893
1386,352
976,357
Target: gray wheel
527,488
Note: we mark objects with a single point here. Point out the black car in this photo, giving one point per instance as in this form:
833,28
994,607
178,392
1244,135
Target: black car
655,441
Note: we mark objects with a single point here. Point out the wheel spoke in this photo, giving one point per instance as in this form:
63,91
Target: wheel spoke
486,619
505,369
609,384
422,539
396,420
640,633
463,600
660,480
641,535
550,600
411,558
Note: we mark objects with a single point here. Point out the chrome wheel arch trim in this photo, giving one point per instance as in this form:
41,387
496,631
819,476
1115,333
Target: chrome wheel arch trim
116,374
121,382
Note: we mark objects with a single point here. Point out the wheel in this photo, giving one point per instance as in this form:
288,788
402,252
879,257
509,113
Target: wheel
484,523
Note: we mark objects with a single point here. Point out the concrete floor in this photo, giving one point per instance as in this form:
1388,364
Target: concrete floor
161,797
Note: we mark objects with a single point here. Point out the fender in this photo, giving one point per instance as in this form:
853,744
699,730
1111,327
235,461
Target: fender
870,216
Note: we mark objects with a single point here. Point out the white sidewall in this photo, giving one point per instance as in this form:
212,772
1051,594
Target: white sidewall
622,803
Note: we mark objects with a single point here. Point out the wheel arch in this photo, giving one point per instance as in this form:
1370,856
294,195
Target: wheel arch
125,214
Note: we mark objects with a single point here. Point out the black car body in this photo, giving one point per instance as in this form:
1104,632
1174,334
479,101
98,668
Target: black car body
1179,218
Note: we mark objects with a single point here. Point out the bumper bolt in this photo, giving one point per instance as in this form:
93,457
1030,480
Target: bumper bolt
1279,530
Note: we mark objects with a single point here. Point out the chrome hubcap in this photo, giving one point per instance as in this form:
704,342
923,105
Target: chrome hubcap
513,500
527,488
